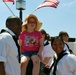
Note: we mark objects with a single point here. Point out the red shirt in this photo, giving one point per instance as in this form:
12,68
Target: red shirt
30,41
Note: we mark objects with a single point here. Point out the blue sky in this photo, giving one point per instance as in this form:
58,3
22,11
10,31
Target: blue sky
63,18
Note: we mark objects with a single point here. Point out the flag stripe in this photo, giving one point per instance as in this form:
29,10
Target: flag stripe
49,3
8,0
51,0
46,4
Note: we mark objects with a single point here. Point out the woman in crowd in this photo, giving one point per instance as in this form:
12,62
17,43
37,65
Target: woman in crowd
65,63
47,54
65,36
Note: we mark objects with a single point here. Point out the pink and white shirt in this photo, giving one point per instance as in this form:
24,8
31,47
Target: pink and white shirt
30,41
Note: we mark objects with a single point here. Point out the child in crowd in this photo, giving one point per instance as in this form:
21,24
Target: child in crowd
31,44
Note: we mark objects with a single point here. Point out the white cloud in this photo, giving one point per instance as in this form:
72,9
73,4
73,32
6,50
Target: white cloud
68,4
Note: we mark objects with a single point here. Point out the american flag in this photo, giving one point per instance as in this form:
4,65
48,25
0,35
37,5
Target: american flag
49,3
8,1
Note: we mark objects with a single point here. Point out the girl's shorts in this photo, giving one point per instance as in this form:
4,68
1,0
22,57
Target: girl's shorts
29,54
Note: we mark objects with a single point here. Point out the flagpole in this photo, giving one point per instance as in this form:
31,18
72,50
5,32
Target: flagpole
33,11
9,9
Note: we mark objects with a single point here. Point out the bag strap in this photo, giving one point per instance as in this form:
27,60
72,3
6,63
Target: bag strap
15,40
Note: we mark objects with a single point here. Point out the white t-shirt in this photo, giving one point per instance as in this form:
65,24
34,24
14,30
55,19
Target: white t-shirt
47,51
9,54
66,65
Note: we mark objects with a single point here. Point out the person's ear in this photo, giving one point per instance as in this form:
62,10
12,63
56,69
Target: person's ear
7,24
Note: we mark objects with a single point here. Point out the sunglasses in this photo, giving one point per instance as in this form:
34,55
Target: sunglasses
32,22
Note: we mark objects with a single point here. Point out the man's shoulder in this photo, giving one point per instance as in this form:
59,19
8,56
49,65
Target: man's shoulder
5,36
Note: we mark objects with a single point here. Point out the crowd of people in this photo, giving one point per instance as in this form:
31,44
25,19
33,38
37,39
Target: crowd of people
22,42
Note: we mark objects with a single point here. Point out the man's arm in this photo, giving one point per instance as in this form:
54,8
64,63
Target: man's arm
2,68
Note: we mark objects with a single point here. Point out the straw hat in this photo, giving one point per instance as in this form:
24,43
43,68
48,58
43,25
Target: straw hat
39,24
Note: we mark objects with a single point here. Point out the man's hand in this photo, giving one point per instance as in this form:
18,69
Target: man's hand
2,68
